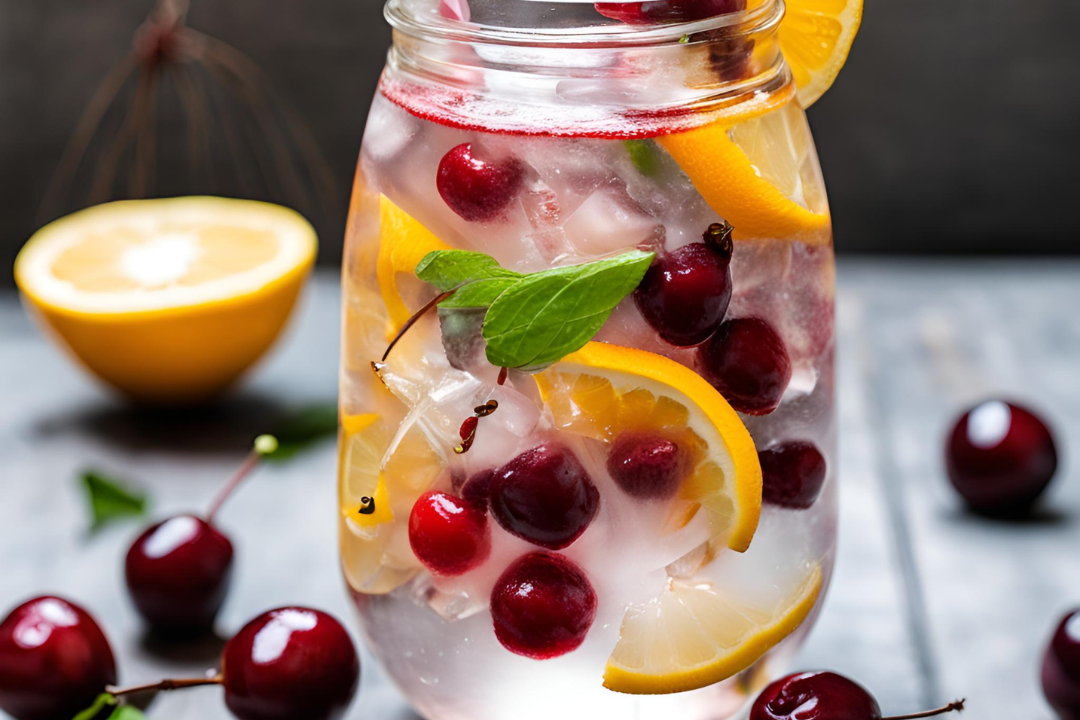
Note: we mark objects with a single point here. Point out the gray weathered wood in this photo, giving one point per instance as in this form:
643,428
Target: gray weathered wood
928,603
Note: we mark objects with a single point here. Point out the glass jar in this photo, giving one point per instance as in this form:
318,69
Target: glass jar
608,490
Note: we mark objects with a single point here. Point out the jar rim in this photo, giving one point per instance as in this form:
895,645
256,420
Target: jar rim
435,26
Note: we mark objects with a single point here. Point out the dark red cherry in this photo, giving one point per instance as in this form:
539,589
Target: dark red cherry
815,696
747,362
178,574
646,465
54,660
685,294
793,474
542,606
290,664
1061,668
1000,458
661,11
477,489
476,188
450,536
825,696
545,496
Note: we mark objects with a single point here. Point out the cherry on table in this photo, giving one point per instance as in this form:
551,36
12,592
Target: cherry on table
1061,668
1000,457
792,474
542,606
544,496
748,363
478,188
825,696
54,660
685,294
449,535
645,465
178,571
293,663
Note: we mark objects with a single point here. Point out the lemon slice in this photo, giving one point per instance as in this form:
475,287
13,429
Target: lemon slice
816,37
604,389
385,481
403,243
760,175
168,300
697,634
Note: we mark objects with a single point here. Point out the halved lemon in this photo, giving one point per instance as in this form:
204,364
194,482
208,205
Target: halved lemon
378,486
760,175
697,634
816,37
168,300
403,243
603,389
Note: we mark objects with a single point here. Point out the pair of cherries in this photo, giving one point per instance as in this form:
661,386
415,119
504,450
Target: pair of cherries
292,663
287,663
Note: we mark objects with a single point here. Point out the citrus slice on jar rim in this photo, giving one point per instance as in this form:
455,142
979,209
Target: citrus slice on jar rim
377,490
815,38
602,390
168,300
697,633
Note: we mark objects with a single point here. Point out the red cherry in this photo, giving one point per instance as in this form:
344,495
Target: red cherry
825,696
747,362
477,489
545,496
54,660
450,536
475,188
793,474
1061,668
1000,458
646,465
661,11
815,696
685,294
543,606
290,664
178,573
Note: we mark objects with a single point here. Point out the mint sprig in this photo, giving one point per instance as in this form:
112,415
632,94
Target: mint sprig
107,707
537,319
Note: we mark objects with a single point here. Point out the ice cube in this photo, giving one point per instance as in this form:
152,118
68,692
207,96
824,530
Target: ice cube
609,221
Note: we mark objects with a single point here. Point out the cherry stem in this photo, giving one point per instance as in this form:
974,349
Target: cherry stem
166,685
958,706
264,445
416,318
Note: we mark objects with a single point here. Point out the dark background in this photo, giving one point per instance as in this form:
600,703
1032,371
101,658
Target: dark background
952,129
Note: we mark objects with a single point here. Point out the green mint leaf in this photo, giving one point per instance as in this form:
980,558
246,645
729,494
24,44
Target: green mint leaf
448,269
645,156
548,315
479,294
303,429
127,712
110,499
105,700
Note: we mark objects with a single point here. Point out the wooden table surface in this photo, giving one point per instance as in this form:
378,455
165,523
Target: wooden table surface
929,602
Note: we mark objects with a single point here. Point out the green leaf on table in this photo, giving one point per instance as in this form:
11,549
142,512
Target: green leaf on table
303,429
110,499
645,155
104,700
548,315
448,269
